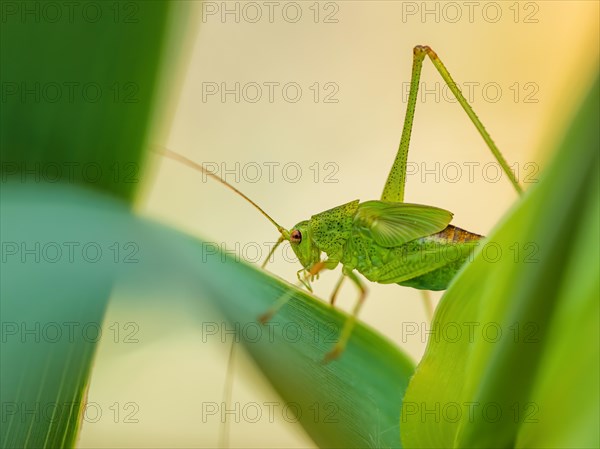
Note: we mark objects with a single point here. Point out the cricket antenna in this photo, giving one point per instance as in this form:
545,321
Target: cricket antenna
185,161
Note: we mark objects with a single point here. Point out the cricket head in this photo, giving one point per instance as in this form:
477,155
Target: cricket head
303,245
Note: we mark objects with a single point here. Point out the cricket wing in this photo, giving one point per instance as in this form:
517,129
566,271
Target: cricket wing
418,261
392,224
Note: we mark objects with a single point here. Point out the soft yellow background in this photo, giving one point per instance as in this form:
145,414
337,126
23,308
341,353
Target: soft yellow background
368,54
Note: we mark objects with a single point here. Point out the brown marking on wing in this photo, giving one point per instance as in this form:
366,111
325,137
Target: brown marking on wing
457,235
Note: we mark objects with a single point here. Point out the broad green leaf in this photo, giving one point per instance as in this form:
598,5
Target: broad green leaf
351,402
514,357
357,397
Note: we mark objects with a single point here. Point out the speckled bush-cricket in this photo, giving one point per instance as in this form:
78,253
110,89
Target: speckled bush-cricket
387,241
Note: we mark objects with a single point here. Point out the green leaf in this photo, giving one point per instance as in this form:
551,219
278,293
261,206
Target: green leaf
358,396
79,84
514,357
78,92
351,402
52,299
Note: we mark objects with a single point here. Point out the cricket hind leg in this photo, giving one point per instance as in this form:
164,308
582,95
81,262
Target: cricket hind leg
394,186
339,347
428,304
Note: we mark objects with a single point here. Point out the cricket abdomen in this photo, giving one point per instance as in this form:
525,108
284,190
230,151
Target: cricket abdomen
456,235
427,263
457,245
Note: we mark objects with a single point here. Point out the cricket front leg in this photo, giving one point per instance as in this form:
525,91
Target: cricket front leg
279,242
349,324
303,278
336,289
314,270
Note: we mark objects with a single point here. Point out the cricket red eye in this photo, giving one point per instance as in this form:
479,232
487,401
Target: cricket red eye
296,236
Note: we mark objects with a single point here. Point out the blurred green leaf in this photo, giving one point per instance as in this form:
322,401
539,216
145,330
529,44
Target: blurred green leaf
79,84
78,91
514,357
53,295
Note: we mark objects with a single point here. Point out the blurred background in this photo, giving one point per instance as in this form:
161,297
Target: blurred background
301,105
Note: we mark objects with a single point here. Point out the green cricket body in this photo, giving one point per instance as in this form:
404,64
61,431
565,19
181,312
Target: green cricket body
387,242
